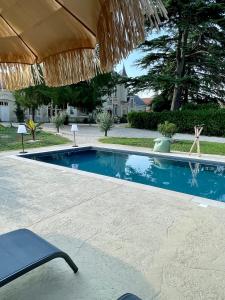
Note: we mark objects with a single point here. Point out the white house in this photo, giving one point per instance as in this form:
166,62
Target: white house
135,103
7,107
118,103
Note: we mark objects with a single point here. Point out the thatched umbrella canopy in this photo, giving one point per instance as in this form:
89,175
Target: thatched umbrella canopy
70,39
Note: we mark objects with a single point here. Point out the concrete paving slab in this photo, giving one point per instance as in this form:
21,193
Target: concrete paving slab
155,243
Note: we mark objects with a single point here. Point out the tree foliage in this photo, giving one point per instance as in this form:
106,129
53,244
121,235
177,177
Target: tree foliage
88,94
187,61
105,121
85,94
32,97
167,129
58,120
32,127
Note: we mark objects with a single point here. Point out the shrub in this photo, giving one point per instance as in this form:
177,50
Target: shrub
116,119
58,120
105,122
185,120
204,106
160,103
32,127
66,121
167,129
91,119
19,113
123,119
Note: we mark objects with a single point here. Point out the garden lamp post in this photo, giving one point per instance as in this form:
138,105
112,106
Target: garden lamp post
74,128
22,130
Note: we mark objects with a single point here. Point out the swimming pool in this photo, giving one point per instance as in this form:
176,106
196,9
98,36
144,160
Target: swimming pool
190,177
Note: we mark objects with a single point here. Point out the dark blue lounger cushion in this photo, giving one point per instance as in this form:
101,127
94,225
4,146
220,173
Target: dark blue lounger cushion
129,297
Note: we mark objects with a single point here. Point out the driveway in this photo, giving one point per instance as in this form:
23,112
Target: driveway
90,134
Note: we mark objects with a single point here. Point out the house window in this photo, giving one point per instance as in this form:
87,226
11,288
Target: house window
71,111
115,110
49,111
3,103
83,110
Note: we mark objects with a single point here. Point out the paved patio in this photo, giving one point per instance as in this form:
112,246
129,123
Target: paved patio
123,237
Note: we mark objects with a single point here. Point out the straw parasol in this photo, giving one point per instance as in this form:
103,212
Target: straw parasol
68,40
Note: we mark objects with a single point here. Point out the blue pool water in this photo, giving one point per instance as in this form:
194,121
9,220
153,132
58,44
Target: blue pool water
182,176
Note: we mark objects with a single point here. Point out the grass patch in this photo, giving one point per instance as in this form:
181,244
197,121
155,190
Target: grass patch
182,146
11,140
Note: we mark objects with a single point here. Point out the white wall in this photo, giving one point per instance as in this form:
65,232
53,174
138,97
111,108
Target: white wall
7,111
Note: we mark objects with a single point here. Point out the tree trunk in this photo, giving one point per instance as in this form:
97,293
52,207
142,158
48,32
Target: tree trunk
33,134
180,68
176,97
33,114
185,100
186,88
105,132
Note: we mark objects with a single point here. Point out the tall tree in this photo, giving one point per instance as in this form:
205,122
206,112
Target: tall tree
187,61
32,97
85,94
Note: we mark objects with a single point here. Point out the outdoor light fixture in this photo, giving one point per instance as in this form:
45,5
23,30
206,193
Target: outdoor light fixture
22,130
74,128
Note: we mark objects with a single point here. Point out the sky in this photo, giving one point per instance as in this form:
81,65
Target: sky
132,69
129,63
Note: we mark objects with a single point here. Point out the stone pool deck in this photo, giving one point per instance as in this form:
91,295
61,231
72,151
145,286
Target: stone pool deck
124,237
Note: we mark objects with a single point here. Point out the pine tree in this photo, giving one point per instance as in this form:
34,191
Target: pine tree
187,62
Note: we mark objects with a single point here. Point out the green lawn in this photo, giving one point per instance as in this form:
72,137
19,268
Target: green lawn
10,140
182,146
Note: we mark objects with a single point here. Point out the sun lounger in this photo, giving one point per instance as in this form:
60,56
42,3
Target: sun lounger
129,297
22,251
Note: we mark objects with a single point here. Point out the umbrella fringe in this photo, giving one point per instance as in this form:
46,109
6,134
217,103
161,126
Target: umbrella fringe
15,76
70,67
121,27
58,70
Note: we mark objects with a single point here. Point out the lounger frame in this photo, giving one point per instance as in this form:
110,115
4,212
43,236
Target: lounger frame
53,253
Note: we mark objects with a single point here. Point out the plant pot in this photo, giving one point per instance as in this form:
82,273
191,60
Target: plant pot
162,145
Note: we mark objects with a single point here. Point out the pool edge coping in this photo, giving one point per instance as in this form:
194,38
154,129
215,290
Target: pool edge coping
200,201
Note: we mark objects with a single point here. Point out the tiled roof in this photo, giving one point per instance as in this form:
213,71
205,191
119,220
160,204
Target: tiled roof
147,101
138,101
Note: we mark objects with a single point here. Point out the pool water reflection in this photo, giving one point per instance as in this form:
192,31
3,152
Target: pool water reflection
182,176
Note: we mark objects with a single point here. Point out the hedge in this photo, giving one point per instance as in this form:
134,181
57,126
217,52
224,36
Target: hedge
185,120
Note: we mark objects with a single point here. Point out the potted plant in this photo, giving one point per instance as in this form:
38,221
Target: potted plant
167,130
